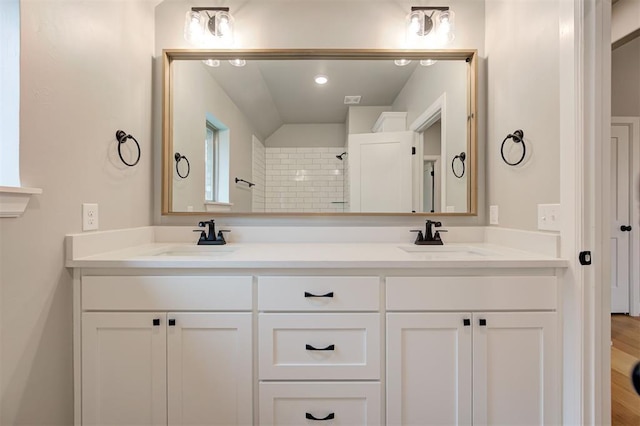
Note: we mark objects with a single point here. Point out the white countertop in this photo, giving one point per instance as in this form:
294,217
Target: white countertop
316,255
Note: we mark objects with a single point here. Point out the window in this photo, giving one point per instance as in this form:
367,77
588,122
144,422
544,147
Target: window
10,89
212,166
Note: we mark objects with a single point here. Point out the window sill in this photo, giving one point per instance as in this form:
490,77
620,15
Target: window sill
215,206
14,200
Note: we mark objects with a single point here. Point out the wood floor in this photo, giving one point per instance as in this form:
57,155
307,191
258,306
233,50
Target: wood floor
625,353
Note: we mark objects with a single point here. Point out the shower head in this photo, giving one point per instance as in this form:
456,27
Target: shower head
341,156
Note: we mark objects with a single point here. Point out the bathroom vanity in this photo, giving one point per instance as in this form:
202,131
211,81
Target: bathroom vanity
302,333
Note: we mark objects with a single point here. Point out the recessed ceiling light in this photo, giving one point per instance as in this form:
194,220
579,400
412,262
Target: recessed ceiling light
402,62
321,79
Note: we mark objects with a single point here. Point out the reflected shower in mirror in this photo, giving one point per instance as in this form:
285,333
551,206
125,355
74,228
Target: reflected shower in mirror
319,134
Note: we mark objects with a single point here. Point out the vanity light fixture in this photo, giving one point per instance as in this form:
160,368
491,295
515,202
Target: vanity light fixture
209,27
430,26
321,79
402,62
427,62
238,62
211,62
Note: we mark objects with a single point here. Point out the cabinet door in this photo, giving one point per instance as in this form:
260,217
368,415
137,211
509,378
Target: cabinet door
209,363
124,369
428,369
515,375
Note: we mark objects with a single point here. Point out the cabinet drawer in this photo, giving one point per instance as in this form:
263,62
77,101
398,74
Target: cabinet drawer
471,293
319,346
339,403
164,293
318,293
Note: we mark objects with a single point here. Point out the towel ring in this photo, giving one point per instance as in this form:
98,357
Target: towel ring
122,137
178,158
462,156
518,137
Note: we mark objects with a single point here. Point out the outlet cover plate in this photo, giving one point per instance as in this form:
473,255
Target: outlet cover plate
89,217
549,217
493,215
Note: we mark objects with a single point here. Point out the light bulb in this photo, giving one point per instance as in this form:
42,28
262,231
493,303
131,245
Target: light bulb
211,63
402,62
446,27
193,27
238,62
427,62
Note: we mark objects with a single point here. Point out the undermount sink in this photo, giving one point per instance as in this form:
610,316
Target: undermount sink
195,250
446,252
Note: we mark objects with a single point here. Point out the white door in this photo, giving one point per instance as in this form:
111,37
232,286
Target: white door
429,369
515,369
124,369
380,172
620,218
209,367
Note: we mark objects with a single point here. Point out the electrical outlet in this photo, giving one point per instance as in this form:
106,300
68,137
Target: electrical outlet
549,217
493,215
89,217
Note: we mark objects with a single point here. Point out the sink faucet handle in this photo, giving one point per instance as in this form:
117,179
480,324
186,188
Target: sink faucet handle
221,233
203,235
420,236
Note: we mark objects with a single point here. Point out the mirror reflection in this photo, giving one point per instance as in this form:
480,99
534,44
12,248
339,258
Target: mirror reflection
319,135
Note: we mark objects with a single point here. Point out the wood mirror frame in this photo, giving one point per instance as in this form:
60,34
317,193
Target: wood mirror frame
169,55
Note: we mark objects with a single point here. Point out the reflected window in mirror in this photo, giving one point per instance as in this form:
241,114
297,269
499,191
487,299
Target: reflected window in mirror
211,167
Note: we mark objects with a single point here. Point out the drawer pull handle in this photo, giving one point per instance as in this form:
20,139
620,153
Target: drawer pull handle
307,294
310,416
172,322
328,348
482,322
156,322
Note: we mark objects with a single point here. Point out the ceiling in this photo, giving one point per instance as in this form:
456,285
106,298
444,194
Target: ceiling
275,92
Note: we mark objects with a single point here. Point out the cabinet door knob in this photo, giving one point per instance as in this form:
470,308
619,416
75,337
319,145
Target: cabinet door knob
307,294
624,228
466,322
172,322
482,322
156,322
328,348
330,416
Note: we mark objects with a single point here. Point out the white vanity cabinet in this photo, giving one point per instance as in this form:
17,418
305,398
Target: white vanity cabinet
324,332
470,365
169,366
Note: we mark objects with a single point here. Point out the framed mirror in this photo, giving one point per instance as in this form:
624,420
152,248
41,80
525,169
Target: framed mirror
319,132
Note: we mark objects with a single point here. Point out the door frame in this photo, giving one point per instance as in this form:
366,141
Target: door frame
633,124
585,126
436,111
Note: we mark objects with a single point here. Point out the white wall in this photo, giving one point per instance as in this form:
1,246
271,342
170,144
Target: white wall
522,42
625,80
361,119
424,87
191,77
86,72
307,136
359,24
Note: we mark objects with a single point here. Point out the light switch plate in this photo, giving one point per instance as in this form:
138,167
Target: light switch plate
89,217
549,217
493,215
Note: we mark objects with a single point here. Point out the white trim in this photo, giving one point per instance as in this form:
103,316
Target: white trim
14,200
436,111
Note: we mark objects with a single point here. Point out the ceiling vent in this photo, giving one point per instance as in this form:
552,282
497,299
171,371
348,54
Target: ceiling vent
352,100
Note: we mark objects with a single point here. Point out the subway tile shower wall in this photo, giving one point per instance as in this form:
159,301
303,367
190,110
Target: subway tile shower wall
258,175
308,180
